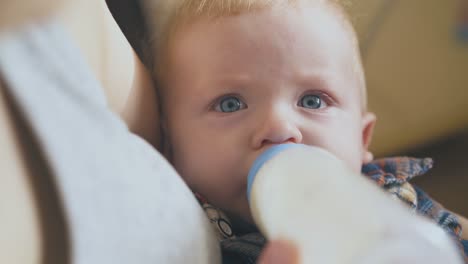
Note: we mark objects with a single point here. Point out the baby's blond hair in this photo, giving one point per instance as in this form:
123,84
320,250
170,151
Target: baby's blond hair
169,15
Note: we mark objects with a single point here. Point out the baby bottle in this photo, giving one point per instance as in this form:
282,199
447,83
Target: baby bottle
308,196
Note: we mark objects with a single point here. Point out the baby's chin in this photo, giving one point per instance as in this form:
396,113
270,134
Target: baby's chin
243,211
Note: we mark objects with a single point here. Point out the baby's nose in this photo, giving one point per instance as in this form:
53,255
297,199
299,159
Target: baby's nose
277,128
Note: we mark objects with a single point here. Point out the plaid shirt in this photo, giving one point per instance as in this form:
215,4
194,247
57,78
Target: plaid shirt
392,174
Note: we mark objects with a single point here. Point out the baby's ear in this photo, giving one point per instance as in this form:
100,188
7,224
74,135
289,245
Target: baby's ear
368,124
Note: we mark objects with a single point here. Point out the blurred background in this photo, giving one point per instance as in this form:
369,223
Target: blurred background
415,53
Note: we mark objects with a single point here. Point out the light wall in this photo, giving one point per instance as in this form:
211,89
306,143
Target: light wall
417,70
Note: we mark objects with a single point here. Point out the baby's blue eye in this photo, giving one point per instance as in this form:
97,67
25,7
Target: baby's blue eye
311,101
230,104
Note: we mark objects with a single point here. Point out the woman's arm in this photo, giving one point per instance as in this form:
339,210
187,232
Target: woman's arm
141,109
125,81
14,13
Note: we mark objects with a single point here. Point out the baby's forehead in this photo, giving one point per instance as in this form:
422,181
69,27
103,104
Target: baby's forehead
184,12
341,32
318,13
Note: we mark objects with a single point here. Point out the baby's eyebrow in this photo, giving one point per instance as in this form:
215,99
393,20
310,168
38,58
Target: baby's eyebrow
236,78
230,82
322,80
318,78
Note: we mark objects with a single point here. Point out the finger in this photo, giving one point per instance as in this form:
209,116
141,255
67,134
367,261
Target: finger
279,252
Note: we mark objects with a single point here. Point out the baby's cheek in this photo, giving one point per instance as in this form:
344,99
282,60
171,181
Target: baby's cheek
220,177
204,178
187,169
223,193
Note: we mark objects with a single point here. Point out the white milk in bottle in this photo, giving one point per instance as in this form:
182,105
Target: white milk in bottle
308,196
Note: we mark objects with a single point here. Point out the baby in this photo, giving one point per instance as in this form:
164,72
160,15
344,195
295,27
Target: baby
238,76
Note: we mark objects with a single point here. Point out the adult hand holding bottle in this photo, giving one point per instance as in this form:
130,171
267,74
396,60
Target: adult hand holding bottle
279,252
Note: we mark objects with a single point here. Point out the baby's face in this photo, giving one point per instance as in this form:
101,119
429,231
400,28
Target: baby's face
238,85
